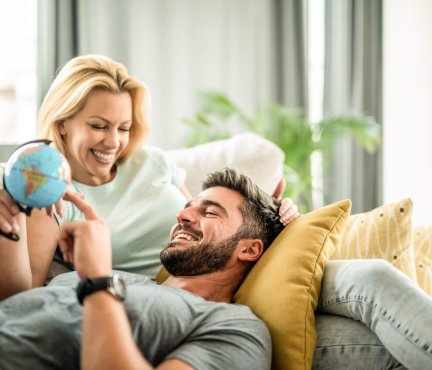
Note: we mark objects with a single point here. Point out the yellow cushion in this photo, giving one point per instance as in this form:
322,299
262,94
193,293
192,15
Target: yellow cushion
283,287
423,257
385,232
161,276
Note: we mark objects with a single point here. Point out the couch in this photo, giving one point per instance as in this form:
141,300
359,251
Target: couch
301,337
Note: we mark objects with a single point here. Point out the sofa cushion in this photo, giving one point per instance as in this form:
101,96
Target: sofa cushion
423,257
385,232
283,287
249,153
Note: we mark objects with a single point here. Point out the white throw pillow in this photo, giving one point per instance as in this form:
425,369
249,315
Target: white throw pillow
249,153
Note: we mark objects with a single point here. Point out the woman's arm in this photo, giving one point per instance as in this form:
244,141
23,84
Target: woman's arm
24,263
185,192
42,235
15,273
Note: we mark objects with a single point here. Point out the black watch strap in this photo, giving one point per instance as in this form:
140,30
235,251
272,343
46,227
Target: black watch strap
113,284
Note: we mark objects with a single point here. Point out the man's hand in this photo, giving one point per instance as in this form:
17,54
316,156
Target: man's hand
86,244
288,211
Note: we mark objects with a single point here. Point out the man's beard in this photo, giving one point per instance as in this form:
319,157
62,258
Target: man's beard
199,259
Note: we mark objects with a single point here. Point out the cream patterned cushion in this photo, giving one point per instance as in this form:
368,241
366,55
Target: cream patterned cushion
385,232
423,257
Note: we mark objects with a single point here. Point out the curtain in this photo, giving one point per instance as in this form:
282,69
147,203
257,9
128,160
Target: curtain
353,84
254,51
58,39
292,53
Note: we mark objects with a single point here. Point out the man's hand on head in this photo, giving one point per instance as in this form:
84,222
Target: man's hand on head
86,244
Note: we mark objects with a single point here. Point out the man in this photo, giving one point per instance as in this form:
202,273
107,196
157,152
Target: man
184,324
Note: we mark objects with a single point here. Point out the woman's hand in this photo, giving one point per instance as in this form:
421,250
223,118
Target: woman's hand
9,212
288,211
57,206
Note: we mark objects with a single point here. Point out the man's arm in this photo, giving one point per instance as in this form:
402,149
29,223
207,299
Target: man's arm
107,337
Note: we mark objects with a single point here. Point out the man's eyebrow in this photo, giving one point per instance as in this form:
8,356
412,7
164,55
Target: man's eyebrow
109,122
208,202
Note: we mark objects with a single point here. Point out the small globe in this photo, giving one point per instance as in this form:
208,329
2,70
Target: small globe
36,175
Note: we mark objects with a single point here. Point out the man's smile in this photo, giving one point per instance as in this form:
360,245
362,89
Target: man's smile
183,232
183,235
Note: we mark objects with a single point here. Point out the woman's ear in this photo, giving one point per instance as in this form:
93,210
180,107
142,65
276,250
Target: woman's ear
250,249
61,128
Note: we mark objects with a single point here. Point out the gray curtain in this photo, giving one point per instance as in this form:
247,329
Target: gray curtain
353,84
58,38
252,50
292,52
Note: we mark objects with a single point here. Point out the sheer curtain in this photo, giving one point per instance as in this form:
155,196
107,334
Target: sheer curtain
353,83
252,50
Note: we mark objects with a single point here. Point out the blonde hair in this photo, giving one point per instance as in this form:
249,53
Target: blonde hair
75,81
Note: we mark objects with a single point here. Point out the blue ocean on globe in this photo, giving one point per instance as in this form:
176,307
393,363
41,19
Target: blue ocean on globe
37,175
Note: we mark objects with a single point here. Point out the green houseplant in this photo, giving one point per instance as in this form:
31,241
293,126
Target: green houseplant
218,117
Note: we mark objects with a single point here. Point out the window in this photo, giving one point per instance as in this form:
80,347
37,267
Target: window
18,40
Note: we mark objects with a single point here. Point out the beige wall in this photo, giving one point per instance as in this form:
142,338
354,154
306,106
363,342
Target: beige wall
408,104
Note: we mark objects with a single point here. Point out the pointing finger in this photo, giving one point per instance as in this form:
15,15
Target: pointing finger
88,211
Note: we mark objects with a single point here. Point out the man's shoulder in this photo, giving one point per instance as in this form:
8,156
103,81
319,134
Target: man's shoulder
236,316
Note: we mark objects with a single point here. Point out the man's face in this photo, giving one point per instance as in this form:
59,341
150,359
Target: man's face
206,234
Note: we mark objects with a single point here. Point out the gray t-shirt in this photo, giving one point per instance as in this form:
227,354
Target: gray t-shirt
41,328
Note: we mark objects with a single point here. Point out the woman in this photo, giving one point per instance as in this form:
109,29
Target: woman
96,115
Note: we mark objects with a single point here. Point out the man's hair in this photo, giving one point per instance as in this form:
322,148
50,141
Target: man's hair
259,210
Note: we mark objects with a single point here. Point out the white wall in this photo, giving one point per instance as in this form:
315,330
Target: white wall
408,105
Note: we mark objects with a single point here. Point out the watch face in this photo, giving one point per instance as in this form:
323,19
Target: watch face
118,286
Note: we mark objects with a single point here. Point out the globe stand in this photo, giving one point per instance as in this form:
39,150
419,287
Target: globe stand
11,236
25,210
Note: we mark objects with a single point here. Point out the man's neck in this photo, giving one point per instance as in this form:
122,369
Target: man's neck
217,286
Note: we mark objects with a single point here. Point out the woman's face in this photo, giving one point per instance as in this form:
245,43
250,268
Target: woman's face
97,135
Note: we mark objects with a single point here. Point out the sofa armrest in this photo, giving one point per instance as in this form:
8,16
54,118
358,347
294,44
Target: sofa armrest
250,153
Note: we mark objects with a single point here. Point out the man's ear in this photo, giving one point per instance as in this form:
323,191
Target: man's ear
250,249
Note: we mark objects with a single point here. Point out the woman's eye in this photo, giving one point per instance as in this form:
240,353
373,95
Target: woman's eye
98,127
124,129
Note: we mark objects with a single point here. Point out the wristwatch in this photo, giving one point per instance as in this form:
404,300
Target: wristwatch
114,285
